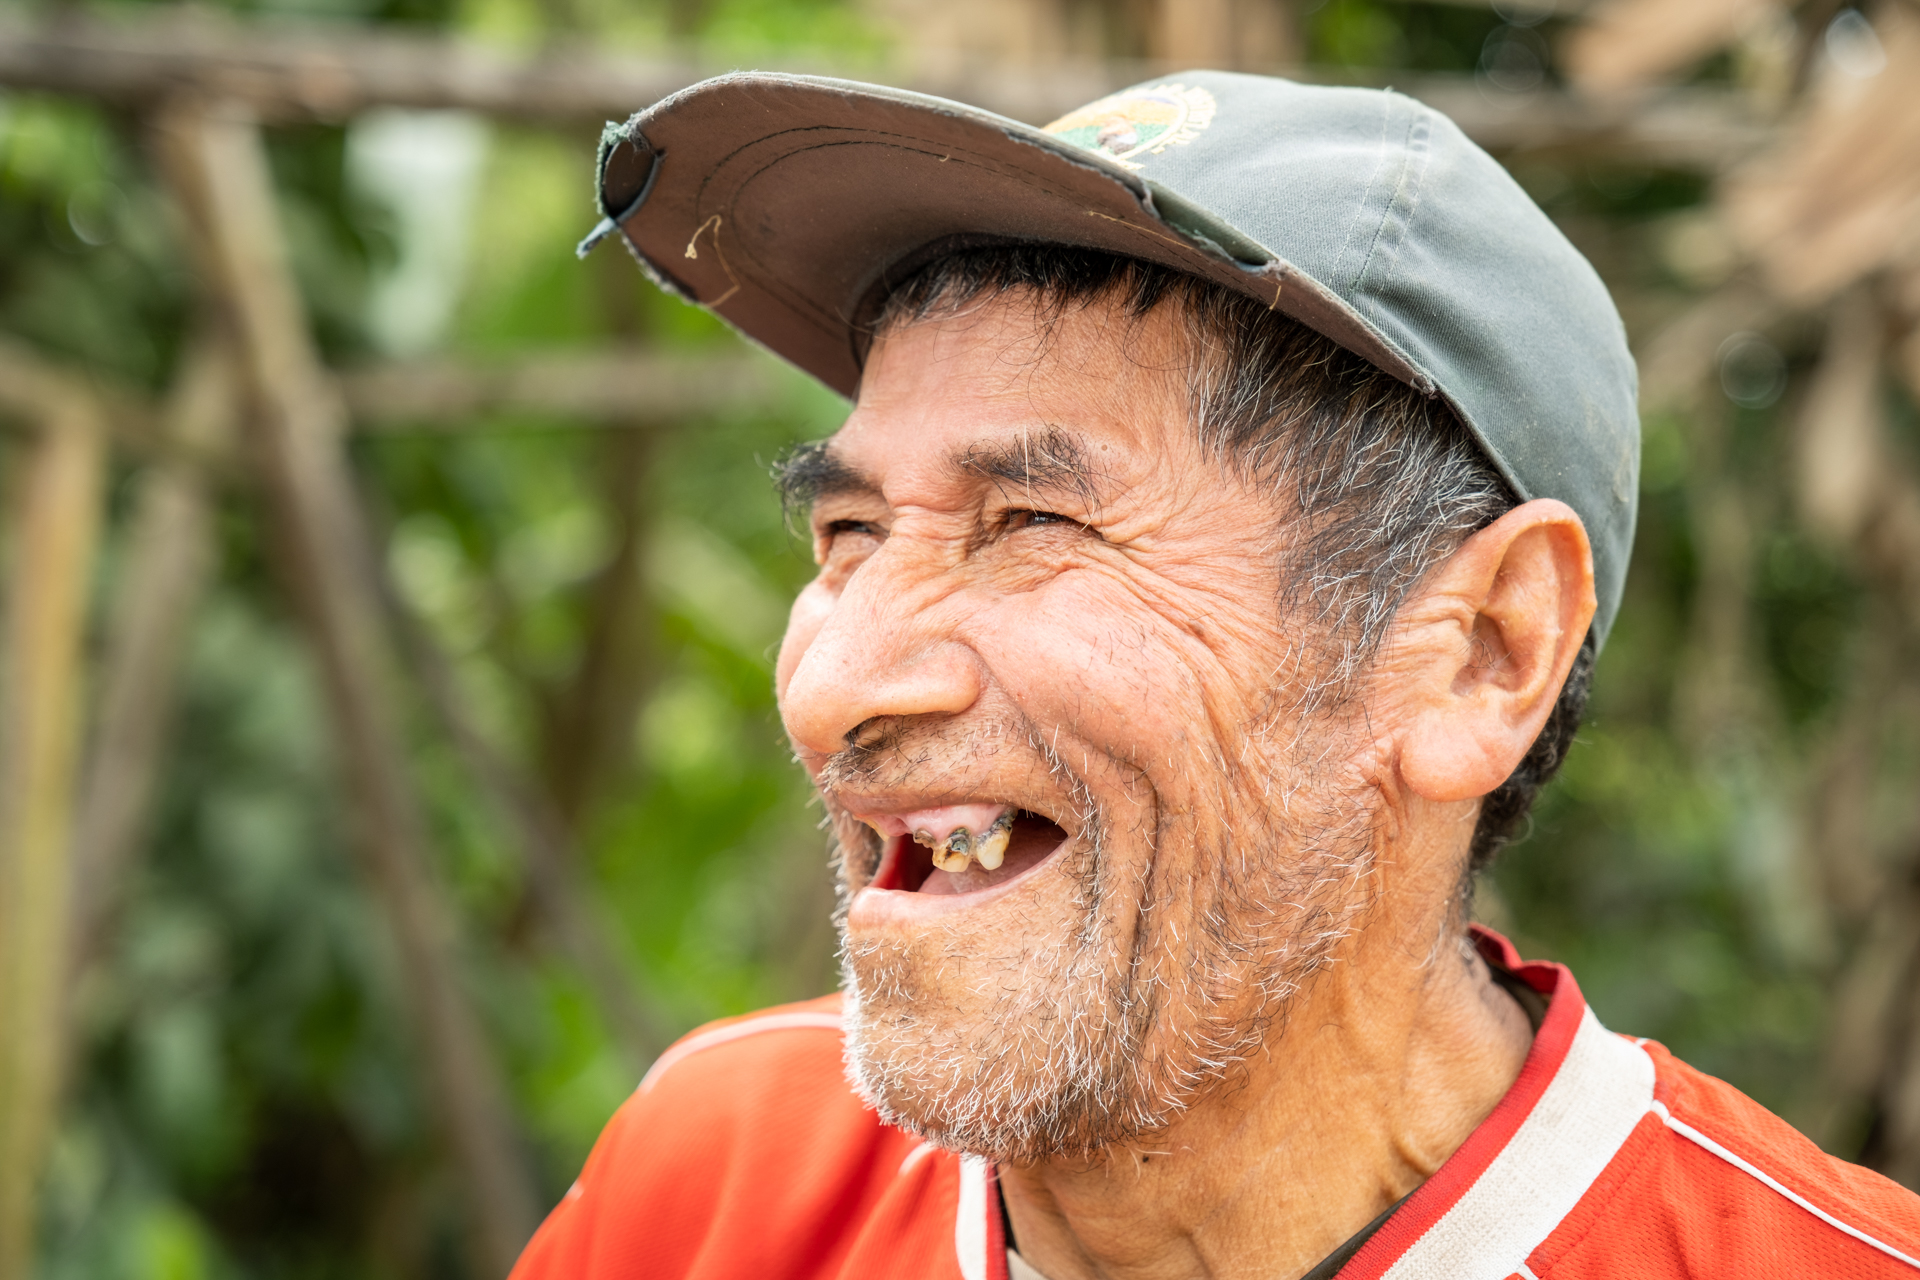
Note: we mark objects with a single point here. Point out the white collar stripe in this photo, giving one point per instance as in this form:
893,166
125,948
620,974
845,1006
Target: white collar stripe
970,1223
1583,1117
1693,1135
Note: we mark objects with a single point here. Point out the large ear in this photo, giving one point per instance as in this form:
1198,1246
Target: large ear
1482,649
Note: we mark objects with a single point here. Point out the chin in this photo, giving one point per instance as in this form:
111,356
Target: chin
1014,1085
1065,1042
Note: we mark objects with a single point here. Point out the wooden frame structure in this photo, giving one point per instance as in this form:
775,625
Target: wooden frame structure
255,401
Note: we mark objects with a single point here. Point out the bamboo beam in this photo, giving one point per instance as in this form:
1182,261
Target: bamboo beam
128,419
622,386
56,513
216,163
586,725
168,559
288,72
616,386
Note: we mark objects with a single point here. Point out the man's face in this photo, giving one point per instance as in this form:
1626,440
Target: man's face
1038,597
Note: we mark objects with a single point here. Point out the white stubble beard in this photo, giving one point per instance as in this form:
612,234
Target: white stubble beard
1060,1051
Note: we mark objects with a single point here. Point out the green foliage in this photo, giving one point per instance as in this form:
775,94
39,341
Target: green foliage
245,1100
88,270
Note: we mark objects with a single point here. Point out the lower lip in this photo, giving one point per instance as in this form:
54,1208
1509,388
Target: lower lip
873,908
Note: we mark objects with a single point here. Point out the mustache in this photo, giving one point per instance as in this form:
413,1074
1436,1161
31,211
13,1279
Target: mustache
944,756
871,748
900,752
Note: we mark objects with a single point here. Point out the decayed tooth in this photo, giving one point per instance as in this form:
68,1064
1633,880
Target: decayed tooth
951,854
961,846
955,852
990,847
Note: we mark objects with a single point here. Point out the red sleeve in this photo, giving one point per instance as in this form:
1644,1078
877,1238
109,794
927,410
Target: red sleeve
1859,1197
1669,1206
745,1153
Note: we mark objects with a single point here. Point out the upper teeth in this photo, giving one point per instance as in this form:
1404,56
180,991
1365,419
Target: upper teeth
953,851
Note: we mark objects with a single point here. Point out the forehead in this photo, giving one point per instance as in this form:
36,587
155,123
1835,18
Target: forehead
935,388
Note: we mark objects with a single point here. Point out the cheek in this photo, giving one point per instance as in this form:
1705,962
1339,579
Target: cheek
1116,678
1143,679
811,609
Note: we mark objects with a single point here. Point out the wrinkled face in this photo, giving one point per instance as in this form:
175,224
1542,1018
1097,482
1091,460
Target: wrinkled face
1043,684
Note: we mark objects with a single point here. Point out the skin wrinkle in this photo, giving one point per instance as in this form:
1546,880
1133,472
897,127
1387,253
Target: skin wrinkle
1241,850
1050,459
1139,934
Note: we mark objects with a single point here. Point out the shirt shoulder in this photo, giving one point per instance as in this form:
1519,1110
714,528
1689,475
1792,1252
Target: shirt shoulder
745,1151
1710,1183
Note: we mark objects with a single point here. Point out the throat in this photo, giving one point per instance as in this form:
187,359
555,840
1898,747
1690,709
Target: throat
1294,1170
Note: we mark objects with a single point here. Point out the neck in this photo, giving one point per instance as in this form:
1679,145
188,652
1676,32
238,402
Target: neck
1388,1062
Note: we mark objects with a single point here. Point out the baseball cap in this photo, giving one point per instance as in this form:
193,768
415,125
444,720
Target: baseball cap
790,205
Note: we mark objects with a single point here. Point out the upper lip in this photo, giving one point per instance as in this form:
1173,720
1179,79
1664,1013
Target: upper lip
893,804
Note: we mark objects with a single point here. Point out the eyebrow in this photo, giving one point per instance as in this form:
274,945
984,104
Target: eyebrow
1048,459
809,472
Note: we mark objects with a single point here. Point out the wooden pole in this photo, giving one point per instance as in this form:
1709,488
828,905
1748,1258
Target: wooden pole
169,556
217,165
56,513
587,728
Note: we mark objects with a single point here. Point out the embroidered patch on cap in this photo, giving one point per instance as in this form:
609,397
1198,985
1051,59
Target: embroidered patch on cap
1137,122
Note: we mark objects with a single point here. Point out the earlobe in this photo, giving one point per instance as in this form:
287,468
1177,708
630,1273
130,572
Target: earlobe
1485,647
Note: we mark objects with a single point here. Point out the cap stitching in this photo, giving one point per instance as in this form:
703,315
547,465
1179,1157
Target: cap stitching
826,321
820,317
1397,220
1126,182
1338,277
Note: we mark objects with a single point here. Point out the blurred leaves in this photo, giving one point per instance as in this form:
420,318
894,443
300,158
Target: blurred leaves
244,1102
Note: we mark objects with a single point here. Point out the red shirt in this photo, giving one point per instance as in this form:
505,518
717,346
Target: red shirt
745,1153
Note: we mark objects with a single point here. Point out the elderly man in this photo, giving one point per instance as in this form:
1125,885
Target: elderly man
1239,485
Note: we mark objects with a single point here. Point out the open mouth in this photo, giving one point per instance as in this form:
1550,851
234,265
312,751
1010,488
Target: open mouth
908,865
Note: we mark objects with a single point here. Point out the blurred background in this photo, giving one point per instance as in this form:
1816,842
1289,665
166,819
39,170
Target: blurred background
388,762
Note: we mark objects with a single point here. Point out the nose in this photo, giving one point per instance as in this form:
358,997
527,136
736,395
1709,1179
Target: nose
881,649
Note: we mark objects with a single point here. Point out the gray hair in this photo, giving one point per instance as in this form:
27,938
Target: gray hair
1382,482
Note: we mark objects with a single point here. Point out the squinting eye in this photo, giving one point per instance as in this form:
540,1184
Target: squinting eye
1024,519
839,527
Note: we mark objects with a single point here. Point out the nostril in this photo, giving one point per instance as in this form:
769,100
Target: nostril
852,680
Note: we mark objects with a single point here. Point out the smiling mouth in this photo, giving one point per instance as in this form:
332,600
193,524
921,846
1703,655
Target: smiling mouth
922,866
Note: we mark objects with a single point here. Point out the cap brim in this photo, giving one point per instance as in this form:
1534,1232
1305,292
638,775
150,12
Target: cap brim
790,205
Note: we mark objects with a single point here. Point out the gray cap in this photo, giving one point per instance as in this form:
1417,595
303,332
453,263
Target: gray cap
789,205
